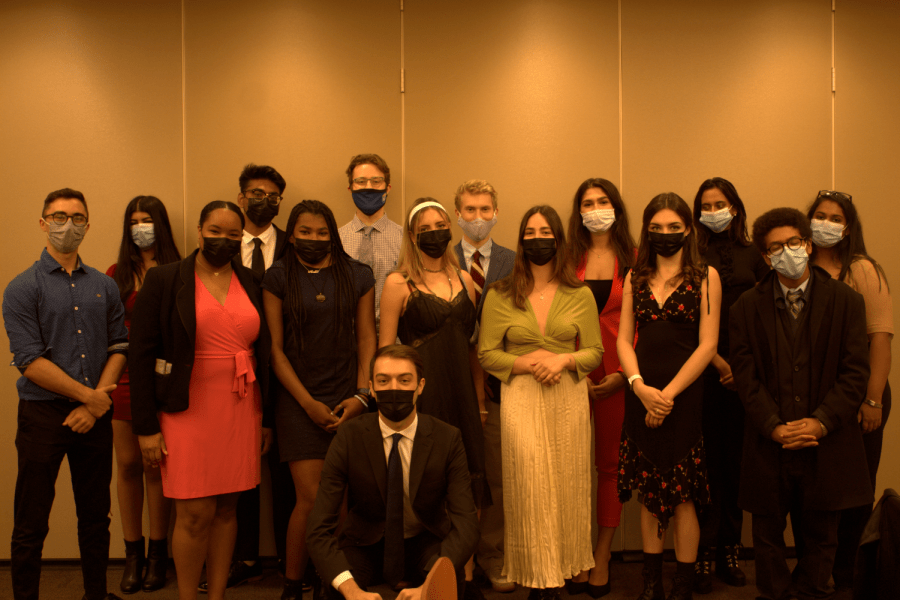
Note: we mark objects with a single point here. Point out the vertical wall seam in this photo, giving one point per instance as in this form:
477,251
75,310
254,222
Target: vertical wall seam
621,145
833,93
402,115
184,207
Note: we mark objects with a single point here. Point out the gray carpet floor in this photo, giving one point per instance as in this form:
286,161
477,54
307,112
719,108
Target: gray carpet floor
63,582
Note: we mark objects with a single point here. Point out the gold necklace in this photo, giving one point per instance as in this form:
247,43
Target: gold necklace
320,297
544,290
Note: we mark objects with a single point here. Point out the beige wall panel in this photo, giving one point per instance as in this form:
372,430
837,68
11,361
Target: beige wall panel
867,139
301,86
736,90
92,101
523,94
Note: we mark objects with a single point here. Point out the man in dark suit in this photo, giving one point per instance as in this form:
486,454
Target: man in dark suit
487,262
409,497
263,243
799,356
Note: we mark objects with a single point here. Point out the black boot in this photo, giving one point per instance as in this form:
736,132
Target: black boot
157,563
653,585
134,567
683,584
703,572
293,589
727,568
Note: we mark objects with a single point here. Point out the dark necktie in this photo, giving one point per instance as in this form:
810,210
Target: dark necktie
477,274
393,523
367,248
258,263
795,300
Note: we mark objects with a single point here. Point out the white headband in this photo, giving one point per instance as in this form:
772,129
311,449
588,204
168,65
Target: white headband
419,207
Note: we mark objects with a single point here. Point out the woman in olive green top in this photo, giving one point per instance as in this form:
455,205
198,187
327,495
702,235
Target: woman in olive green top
532,323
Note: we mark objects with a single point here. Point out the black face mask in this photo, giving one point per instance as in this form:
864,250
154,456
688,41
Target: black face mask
261,213
312,251
395,405
666,244
434,242
218,251
539,251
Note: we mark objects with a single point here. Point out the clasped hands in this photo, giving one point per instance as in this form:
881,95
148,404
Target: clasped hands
658,403
547,367
97,403
794,435
329,419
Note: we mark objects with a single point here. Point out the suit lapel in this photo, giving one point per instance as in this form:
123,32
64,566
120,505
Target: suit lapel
280,242
823,294
421,450
375,449
498,263
460,255
185,297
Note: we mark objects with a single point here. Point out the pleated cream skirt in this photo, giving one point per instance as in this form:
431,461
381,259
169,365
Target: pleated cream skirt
546,451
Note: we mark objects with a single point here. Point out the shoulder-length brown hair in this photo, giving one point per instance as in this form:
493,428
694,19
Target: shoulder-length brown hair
620,234
518,283
409,263
693,267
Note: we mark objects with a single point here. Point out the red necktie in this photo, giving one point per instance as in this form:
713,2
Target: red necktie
477,274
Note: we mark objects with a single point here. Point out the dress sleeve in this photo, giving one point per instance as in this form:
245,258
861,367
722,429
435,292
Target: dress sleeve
273,281
364,278
864,278
495,321
590,344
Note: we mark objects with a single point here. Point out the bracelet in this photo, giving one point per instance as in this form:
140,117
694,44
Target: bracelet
361,400
632,379
484,412
873,404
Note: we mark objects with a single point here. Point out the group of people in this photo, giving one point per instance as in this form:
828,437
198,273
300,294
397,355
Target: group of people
725,368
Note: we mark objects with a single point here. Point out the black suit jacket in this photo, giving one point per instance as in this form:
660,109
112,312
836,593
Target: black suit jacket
163,326
839,367
281,244
439,489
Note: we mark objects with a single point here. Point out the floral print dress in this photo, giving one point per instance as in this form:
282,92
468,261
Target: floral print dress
666,465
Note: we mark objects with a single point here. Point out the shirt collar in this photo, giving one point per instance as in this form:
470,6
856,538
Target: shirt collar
267,236
802,287
50,264
380,225
469,249
409,432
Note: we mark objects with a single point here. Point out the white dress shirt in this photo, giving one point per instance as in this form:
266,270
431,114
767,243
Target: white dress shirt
485,250
268,238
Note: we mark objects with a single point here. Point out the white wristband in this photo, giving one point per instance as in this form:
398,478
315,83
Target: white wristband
632,379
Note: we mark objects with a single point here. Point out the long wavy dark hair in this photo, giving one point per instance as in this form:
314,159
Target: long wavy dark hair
620,234
693,267
737,233
296,274
853,246
517,283
129,266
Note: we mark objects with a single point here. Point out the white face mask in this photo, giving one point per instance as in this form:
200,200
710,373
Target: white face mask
791,263
477,229
717,221
600,220
826,234
65,238
143,235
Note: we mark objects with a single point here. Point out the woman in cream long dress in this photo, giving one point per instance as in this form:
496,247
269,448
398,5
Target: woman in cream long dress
533,321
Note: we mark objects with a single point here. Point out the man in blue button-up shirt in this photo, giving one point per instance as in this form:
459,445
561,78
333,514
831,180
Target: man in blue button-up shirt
67,333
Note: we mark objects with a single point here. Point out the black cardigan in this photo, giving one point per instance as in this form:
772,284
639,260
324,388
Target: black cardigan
163,326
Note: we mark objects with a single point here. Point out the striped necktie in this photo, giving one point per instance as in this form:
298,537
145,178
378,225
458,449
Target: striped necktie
795,301
477,274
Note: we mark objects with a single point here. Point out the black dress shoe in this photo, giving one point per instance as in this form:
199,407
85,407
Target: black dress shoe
240,572
598,591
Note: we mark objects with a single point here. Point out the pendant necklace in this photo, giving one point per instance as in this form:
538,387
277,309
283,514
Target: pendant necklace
320,297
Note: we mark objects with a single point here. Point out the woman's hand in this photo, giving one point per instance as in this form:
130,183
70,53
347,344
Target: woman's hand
153,448
322,415
609,385
869,417
347,409
654,401
548,370
266,440
726,378
653,422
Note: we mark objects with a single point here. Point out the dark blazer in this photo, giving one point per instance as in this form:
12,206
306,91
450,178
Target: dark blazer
163,326
439,489
839,367
281,244
502,261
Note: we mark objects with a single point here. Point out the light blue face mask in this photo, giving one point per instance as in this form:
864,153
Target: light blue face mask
143,235
717,221
826,234
791,263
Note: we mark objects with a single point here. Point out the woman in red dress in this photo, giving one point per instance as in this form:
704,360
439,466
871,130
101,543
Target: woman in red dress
146,242
199,364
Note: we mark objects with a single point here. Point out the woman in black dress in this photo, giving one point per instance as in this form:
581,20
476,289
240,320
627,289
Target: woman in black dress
320,305
674,300
721,224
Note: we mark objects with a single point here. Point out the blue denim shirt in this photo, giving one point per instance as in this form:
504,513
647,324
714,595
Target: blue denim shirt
74,321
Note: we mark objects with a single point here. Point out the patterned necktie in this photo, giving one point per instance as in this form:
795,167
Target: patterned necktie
366,249
257,262
477,274
393,522
795,300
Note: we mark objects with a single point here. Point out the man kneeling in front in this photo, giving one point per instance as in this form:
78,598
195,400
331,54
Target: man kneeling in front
409,498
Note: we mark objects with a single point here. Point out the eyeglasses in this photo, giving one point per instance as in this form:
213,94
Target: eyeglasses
257,195
835,195
60,218
795,243
376,181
